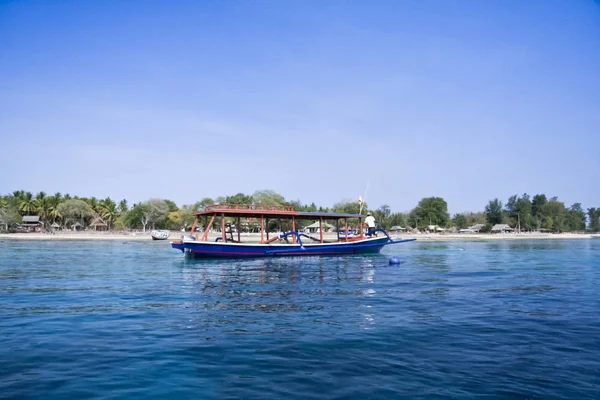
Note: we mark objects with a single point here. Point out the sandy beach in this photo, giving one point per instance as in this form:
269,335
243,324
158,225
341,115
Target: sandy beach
255,237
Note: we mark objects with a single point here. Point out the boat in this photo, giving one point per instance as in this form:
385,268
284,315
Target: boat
596,236
160,235
287,242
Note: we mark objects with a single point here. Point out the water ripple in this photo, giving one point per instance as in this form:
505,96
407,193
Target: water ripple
111,320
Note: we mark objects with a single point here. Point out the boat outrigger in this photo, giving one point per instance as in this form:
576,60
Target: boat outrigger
290,243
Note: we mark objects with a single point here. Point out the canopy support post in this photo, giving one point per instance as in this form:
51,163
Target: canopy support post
205,235
194,227
294,229
238,230
346,223
321,228
262,229
223,237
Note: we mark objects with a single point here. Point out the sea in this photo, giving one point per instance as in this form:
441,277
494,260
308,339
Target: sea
454,320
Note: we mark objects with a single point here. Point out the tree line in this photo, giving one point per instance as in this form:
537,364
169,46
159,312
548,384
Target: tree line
521,212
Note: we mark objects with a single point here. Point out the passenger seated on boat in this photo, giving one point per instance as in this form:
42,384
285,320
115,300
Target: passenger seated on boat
370,221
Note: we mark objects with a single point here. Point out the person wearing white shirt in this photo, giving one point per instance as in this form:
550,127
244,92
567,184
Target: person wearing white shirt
370,221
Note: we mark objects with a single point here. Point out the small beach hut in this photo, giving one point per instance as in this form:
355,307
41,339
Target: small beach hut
314,228
98,224
476,228
502,228
31,222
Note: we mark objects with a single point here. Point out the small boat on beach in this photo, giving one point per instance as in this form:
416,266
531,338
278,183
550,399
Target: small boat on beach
160,235
289,242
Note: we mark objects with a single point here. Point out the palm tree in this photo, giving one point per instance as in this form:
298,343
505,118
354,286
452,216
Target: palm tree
27,204
53,212
67,197
43,208
108,210
93,203
40,195
123,206
3,202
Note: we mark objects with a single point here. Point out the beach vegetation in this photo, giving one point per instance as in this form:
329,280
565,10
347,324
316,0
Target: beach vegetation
123,206
575,218
138,216
494,212
460,221
268,198
108,211
240,198
27,203
74,211
431,211
594,218
522,212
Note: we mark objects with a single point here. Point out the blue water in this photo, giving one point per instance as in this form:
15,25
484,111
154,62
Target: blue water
454,320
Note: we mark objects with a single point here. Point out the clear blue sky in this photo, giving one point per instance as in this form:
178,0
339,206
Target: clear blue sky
467,100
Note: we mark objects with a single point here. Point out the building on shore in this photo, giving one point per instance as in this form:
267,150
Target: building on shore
98,224
32,223
502,228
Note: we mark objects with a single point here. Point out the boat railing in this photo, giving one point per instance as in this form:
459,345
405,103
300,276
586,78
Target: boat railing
254,207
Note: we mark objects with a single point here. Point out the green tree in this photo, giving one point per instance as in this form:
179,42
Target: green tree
519,209
346,206
493,212
476,218
382,216
460,221
54,202
9,212
575,218
398,219
201,205
27,204
108,210
43,206
432,211
554,213
239,198
138,216
123,207
158,211
594,216
268,198
75,211
172,206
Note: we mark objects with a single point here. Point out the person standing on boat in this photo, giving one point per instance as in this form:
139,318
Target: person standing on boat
370,221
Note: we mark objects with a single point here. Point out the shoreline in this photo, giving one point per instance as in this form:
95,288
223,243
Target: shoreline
174,235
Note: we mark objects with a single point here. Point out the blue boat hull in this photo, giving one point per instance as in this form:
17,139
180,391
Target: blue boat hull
236,250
